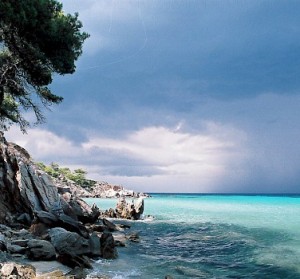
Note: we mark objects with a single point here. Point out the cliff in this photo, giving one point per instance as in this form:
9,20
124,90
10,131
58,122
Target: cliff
42,218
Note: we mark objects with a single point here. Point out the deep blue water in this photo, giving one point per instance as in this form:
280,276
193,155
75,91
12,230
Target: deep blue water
212,236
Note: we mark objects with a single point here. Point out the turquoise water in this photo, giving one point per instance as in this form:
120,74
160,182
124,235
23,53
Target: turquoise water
211,236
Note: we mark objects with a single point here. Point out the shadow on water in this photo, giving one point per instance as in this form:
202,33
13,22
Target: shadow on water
214,251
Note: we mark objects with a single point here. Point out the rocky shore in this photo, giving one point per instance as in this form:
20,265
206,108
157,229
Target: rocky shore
44,220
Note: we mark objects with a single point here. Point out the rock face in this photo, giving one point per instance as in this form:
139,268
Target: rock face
26,189
40,220
30,200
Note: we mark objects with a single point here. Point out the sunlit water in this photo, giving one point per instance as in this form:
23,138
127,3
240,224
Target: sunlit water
211,236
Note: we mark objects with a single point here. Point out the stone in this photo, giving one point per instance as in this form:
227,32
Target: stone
108,250
139,208
20,242
78,273
40,250
16,249
110,225
134,237
69,243
84,212
3,244
56,274
17,271
45,217
95,247
72,225
75,261
39,229
25,219
120,239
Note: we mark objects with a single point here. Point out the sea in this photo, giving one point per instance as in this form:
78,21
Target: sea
210,236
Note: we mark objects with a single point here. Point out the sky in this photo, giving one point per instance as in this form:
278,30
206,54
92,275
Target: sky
180,96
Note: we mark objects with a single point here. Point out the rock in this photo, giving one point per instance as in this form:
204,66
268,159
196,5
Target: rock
95,246
17,271
120,239
139,208
78,273
134,237
25,219
72,225
84,212
3,244
39,229
45,217
40,250
69,243
5,230
168,277
111,226
129,210
97,228
108,250
56,274
24,189
16,249
75,261
20,242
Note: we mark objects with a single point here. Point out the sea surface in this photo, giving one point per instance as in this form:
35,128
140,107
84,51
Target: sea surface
211,236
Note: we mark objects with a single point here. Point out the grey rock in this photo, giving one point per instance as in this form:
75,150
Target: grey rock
3,243
69,243
15,249
95,247
24,218
84,212
134,237
72,225
108,249
40,250
20,242
45,217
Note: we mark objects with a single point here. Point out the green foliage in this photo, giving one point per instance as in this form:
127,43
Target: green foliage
78,175
37,41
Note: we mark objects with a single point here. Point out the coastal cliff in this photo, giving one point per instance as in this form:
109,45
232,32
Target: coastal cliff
44,218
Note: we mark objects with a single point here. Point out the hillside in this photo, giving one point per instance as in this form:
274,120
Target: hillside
77,183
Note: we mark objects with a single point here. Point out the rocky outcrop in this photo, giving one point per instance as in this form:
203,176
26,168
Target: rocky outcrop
40,220
105,190
27,190
97,189
126,210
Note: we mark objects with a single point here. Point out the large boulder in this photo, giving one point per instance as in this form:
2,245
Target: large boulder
129,210
40,250
69,243
95,245
83,211
108,248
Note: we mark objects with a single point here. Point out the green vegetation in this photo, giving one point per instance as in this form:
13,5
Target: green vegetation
78,176
37,40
